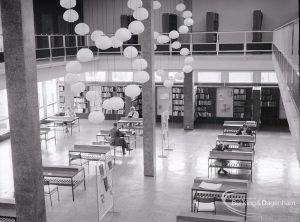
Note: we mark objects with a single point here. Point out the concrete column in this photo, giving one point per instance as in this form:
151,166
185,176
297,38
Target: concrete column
189,99
21,82
69,97
149,140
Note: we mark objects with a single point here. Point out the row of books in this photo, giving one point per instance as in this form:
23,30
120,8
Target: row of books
178,96
178,102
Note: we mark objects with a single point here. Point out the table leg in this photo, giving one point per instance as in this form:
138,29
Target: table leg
192,201
246,206
72,183
84,179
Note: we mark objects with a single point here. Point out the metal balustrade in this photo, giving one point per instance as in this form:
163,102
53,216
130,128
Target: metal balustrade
64,47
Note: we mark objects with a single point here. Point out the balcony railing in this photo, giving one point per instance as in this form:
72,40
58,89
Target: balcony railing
64,47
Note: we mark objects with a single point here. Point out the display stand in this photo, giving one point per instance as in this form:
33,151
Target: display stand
164,132
104,185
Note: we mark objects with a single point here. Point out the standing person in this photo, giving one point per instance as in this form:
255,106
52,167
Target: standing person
116,139
69,113
133,113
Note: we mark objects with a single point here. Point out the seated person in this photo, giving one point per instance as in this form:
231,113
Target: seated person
133,113
116,139
244,130
69,113
221,147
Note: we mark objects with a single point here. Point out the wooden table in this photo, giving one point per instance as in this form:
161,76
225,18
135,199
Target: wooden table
8,210
231,189
105,135
232,127
64,122
44,135
236,139
64,176
235,160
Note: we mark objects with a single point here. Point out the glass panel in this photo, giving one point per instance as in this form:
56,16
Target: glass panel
50,110
4,125
95,77
172,74
209,77
122,76
157,77
40,94
268,77
42,113
238,77
3,104
51,91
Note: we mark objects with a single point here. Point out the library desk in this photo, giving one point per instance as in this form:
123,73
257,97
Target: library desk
64,176
8,210
130,123
106,137
62,122
230,190
45,134
236,139
233,160
231,127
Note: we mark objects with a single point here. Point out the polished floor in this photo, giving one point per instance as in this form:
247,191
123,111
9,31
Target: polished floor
276,178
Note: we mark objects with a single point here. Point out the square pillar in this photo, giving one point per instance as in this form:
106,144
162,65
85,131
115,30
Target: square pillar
189,101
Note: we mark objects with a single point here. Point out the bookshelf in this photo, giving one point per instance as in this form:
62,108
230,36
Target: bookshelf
108,92
61,96
242,100
269,105
205,102
81,104
177,102
138,104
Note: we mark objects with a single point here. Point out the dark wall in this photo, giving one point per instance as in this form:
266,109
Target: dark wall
48,17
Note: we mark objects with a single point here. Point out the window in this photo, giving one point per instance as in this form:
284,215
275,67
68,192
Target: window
209,77
172,74
268,77
240,77
40,94
95,76
4,123
157,77
51,92
122,76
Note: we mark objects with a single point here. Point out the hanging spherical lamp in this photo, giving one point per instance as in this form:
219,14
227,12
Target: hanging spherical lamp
78,87
107,104
92,95
70,15
141,77
73,67
180,7
123,34
130,52
134,4
71,78
116,43
188,22
103,43
168,83
82,29
67,3
187,69
140,14
156,5
162,39
179,76
85,55
132,91
184,51
176,45
136,27
117,103
96,34
183,29
96,117
187,14
161,72
139,64
189,60
173,34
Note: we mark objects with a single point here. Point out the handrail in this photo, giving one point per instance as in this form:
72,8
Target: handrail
287,23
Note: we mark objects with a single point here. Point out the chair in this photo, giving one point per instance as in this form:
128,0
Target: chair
202,204
49,190
76,160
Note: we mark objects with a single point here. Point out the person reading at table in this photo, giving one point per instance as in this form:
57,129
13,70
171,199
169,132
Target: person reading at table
69,113
244,130
116,140
133,113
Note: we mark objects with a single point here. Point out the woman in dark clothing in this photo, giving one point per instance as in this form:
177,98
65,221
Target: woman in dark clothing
244,130
116,140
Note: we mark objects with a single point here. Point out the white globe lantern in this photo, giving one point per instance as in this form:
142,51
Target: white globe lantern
172,78
107,104
139,64
183,29
78,87
187,68
136,27
123,34
92,95
173,34
73,67
132,91
176,45
180,7
96,117
85,55
140,14
155,35
188,22
141,77
184,51
154,47
162,39
189,60
96,34
179,76
130,52
116,43
72,78
116,103
134,4
161,72
168,83
67,3
82,29
103,43
70,15
187,14
156,5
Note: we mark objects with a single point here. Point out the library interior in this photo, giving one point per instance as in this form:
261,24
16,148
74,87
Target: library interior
149,111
